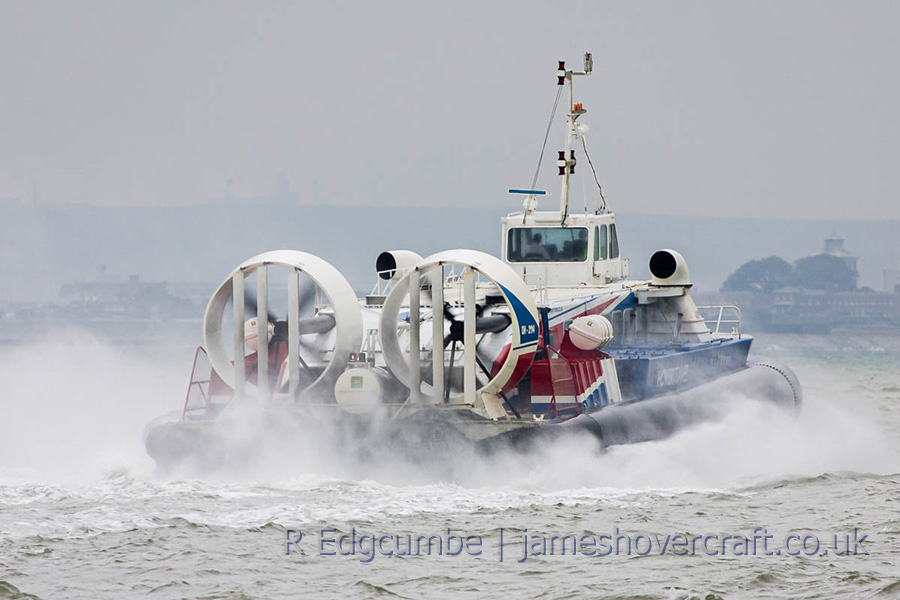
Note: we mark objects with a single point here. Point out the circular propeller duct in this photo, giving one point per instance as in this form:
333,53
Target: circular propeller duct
474,312
321,328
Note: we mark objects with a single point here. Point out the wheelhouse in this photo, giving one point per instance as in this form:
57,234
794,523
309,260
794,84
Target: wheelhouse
583,251
547,244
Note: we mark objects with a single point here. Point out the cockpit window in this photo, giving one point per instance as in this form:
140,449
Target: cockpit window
602,237
613,242
547,244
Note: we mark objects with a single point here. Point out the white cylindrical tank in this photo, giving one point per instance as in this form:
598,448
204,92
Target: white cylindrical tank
359,390
590,332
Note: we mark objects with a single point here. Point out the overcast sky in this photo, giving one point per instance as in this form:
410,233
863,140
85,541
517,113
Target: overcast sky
714,108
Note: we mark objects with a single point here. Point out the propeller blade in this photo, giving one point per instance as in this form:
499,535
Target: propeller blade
447,314
449,377
250,301
307,295
251,306
492,324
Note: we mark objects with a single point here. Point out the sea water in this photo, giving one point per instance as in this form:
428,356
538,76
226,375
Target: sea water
761,505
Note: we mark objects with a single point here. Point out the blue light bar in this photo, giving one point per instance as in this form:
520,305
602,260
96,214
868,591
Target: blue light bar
529,192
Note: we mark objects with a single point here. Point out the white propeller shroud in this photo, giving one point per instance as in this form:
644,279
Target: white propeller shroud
347,314
524,325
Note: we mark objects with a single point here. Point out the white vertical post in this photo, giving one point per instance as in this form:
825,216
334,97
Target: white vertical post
262,329
237,301
570,130
294,332
415,380
469,336
437,334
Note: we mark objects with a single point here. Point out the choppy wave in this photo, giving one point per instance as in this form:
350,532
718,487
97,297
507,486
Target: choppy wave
83,514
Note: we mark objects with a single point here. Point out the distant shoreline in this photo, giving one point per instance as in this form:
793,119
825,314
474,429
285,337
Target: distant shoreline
864,338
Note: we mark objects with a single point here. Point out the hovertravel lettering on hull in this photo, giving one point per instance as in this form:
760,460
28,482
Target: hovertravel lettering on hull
672,376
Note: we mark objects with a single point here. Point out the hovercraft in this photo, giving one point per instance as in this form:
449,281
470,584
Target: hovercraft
549,338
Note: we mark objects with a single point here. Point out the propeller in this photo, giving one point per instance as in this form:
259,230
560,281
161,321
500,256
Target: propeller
251,305
490,324
309,325
307,297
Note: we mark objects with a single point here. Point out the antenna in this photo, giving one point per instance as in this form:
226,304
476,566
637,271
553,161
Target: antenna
566,161
530,203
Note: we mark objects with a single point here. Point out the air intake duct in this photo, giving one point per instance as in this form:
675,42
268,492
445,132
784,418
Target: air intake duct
669,268
394,264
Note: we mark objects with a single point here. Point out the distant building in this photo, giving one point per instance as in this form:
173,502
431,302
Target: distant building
797,309
131,298
892,281
816,310
834,246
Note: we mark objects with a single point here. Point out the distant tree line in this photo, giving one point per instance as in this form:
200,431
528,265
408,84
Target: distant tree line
819,272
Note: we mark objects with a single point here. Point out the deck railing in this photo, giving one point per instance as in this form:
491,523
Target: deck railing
730,318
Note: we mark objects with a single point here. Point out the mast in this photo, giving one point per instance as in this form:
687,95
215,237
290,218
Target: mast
566,161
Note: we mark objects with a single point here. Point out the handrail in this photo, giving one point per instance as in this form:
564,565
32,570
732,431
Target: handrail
198,383
735,321
539,289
